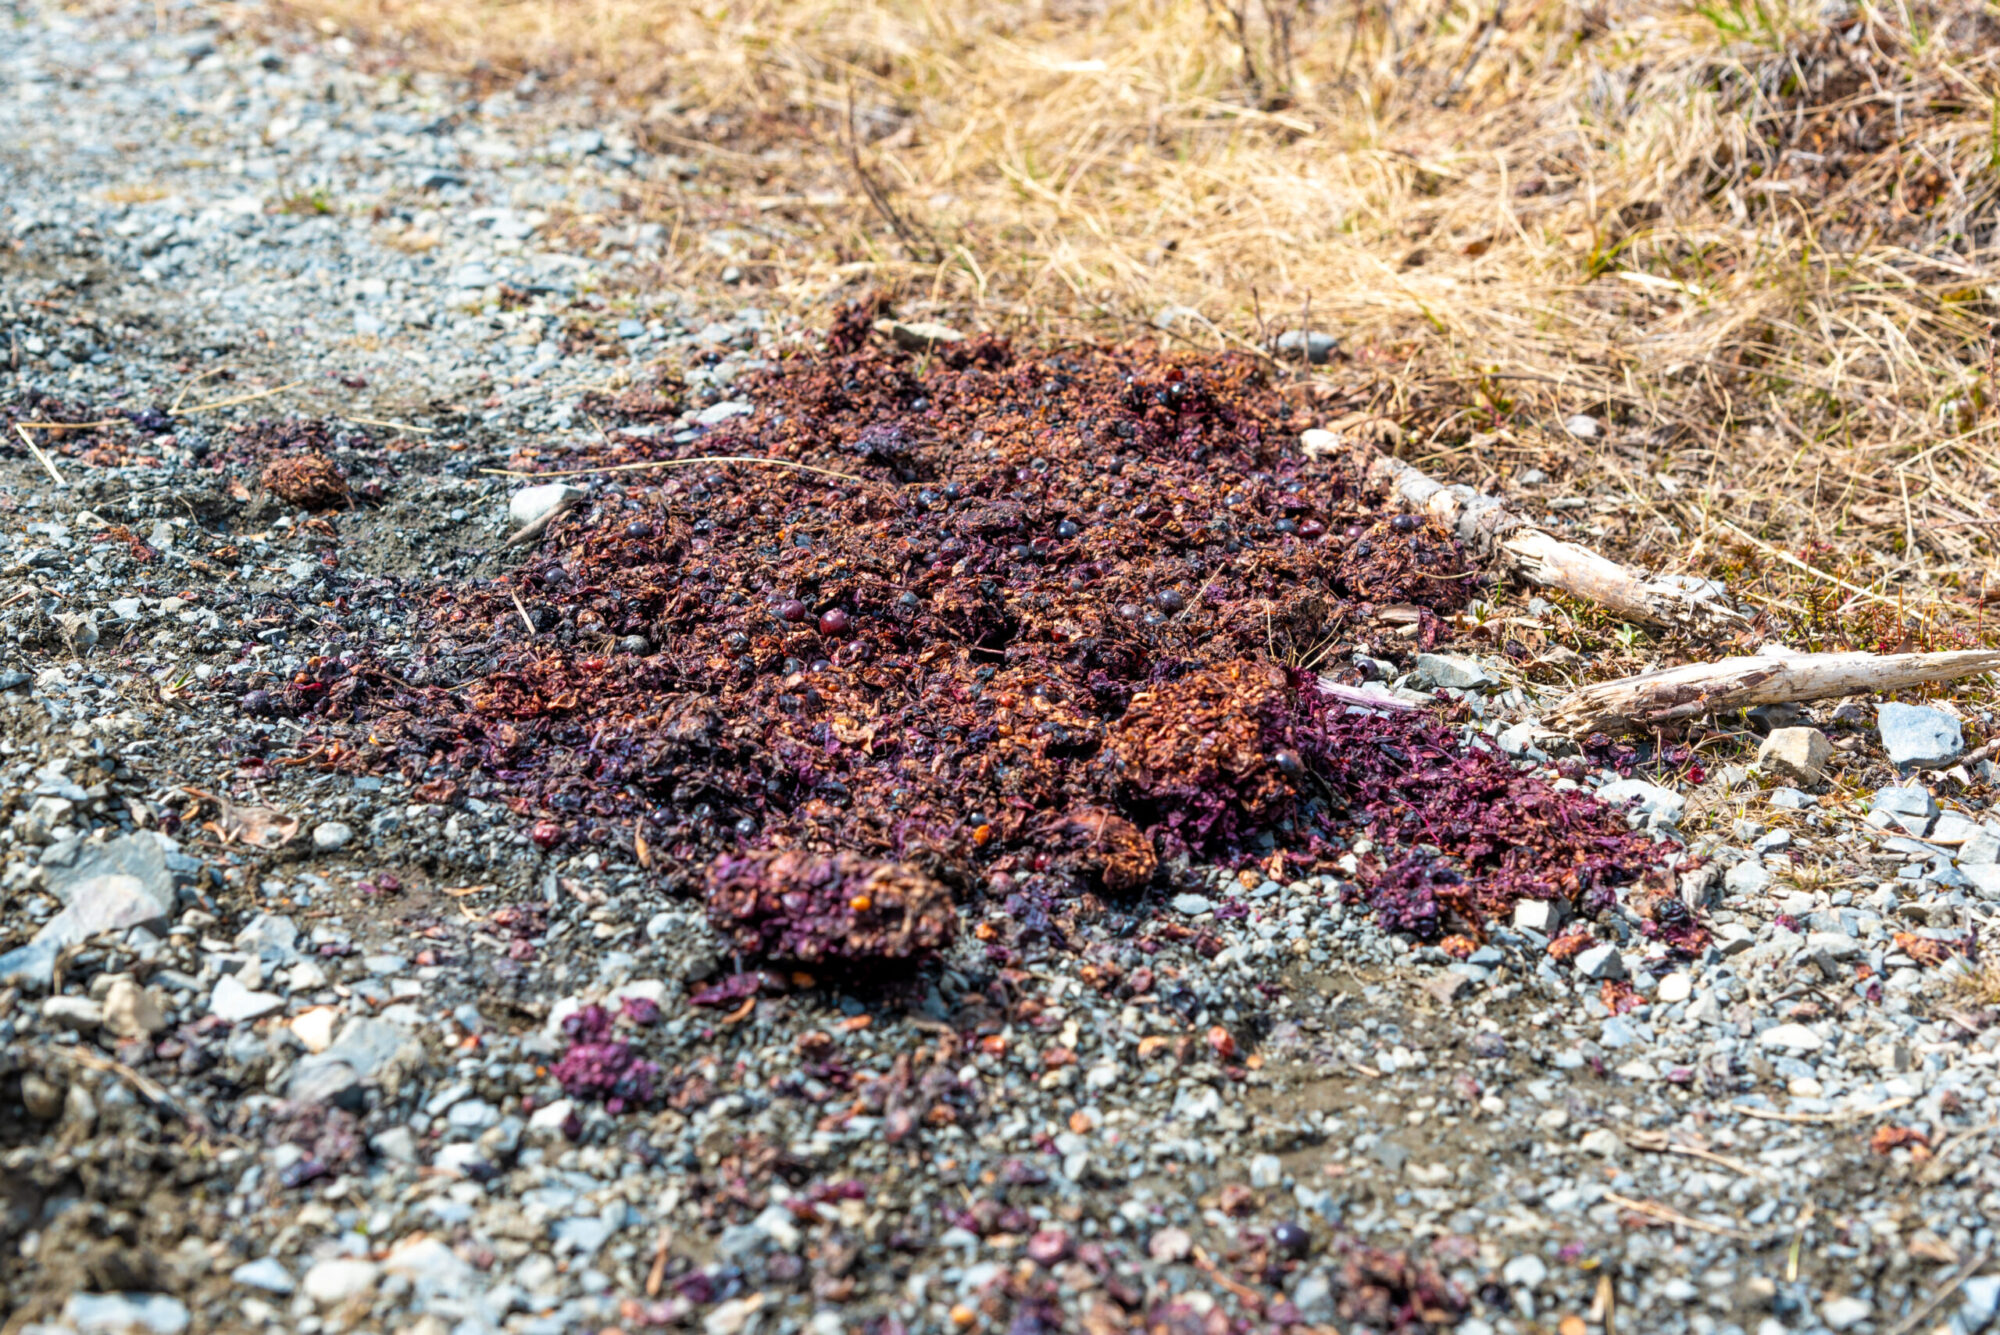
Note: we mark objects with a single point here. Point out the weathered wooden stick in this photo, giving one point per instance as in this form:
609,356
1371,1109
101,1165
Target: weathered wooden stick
1671,694
1488,528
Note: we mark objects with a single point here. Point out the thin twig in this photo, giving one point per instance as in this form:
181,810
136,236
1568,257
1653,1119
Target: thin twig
678,463
147,1088
232,401
392,426
40,458
1659,1144
1942,1292
522,608
189,384
1820,1118
73,426
1672,1216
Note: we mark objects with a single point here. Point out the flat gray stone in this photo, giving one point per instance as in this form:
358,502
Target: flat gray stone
1918,736
1982,847
271,937
357,1054
1451,671
1601,962
109,887
1798,754
1909,806
1654,803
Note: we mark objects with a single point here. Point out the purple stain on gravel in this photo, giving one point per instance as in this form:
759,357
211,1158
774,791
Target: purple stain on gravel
596,1066
640,1010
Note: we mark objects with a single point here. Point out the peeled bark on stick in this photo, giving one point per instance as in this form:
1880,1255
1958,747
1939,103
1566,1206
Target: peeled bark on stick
1672,694
1488,528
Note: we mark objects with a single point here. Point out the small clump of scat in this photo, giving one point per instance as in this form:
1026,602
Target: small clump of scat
817,909
307,481
600,1067
1028,624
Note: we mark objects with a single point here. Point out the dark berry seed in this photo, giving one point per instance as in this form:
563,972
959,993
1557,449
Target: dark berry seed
1356,530
1291,1238
1405,523
1287,526
638,528
1289,763
1067,529
792,610
832,622
1130,611
1169,600
256,702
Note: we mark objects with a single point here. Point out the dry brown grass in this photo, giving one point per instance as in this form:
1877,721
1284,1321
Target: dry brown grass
1756,242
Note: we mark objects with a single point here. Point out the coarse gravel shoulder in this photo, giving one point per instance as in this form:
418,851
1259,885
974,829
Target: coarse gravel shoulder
286,1047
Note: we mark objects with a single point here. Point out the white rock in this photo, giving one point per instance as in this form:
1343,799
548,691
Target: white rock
266,1273
1674,987
1603,1142
124,1314
79,1013
1845,1313
237,1003
1746,878
1266,1170
1791,1038
332,835
336,1280
1541,915
314,1027
1526,1271
131,1012
550,1116
1658,804
527,505
731,1317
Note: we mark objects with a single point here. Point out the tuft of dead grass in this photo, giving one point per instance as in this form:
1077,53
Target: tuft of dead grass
1754,242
